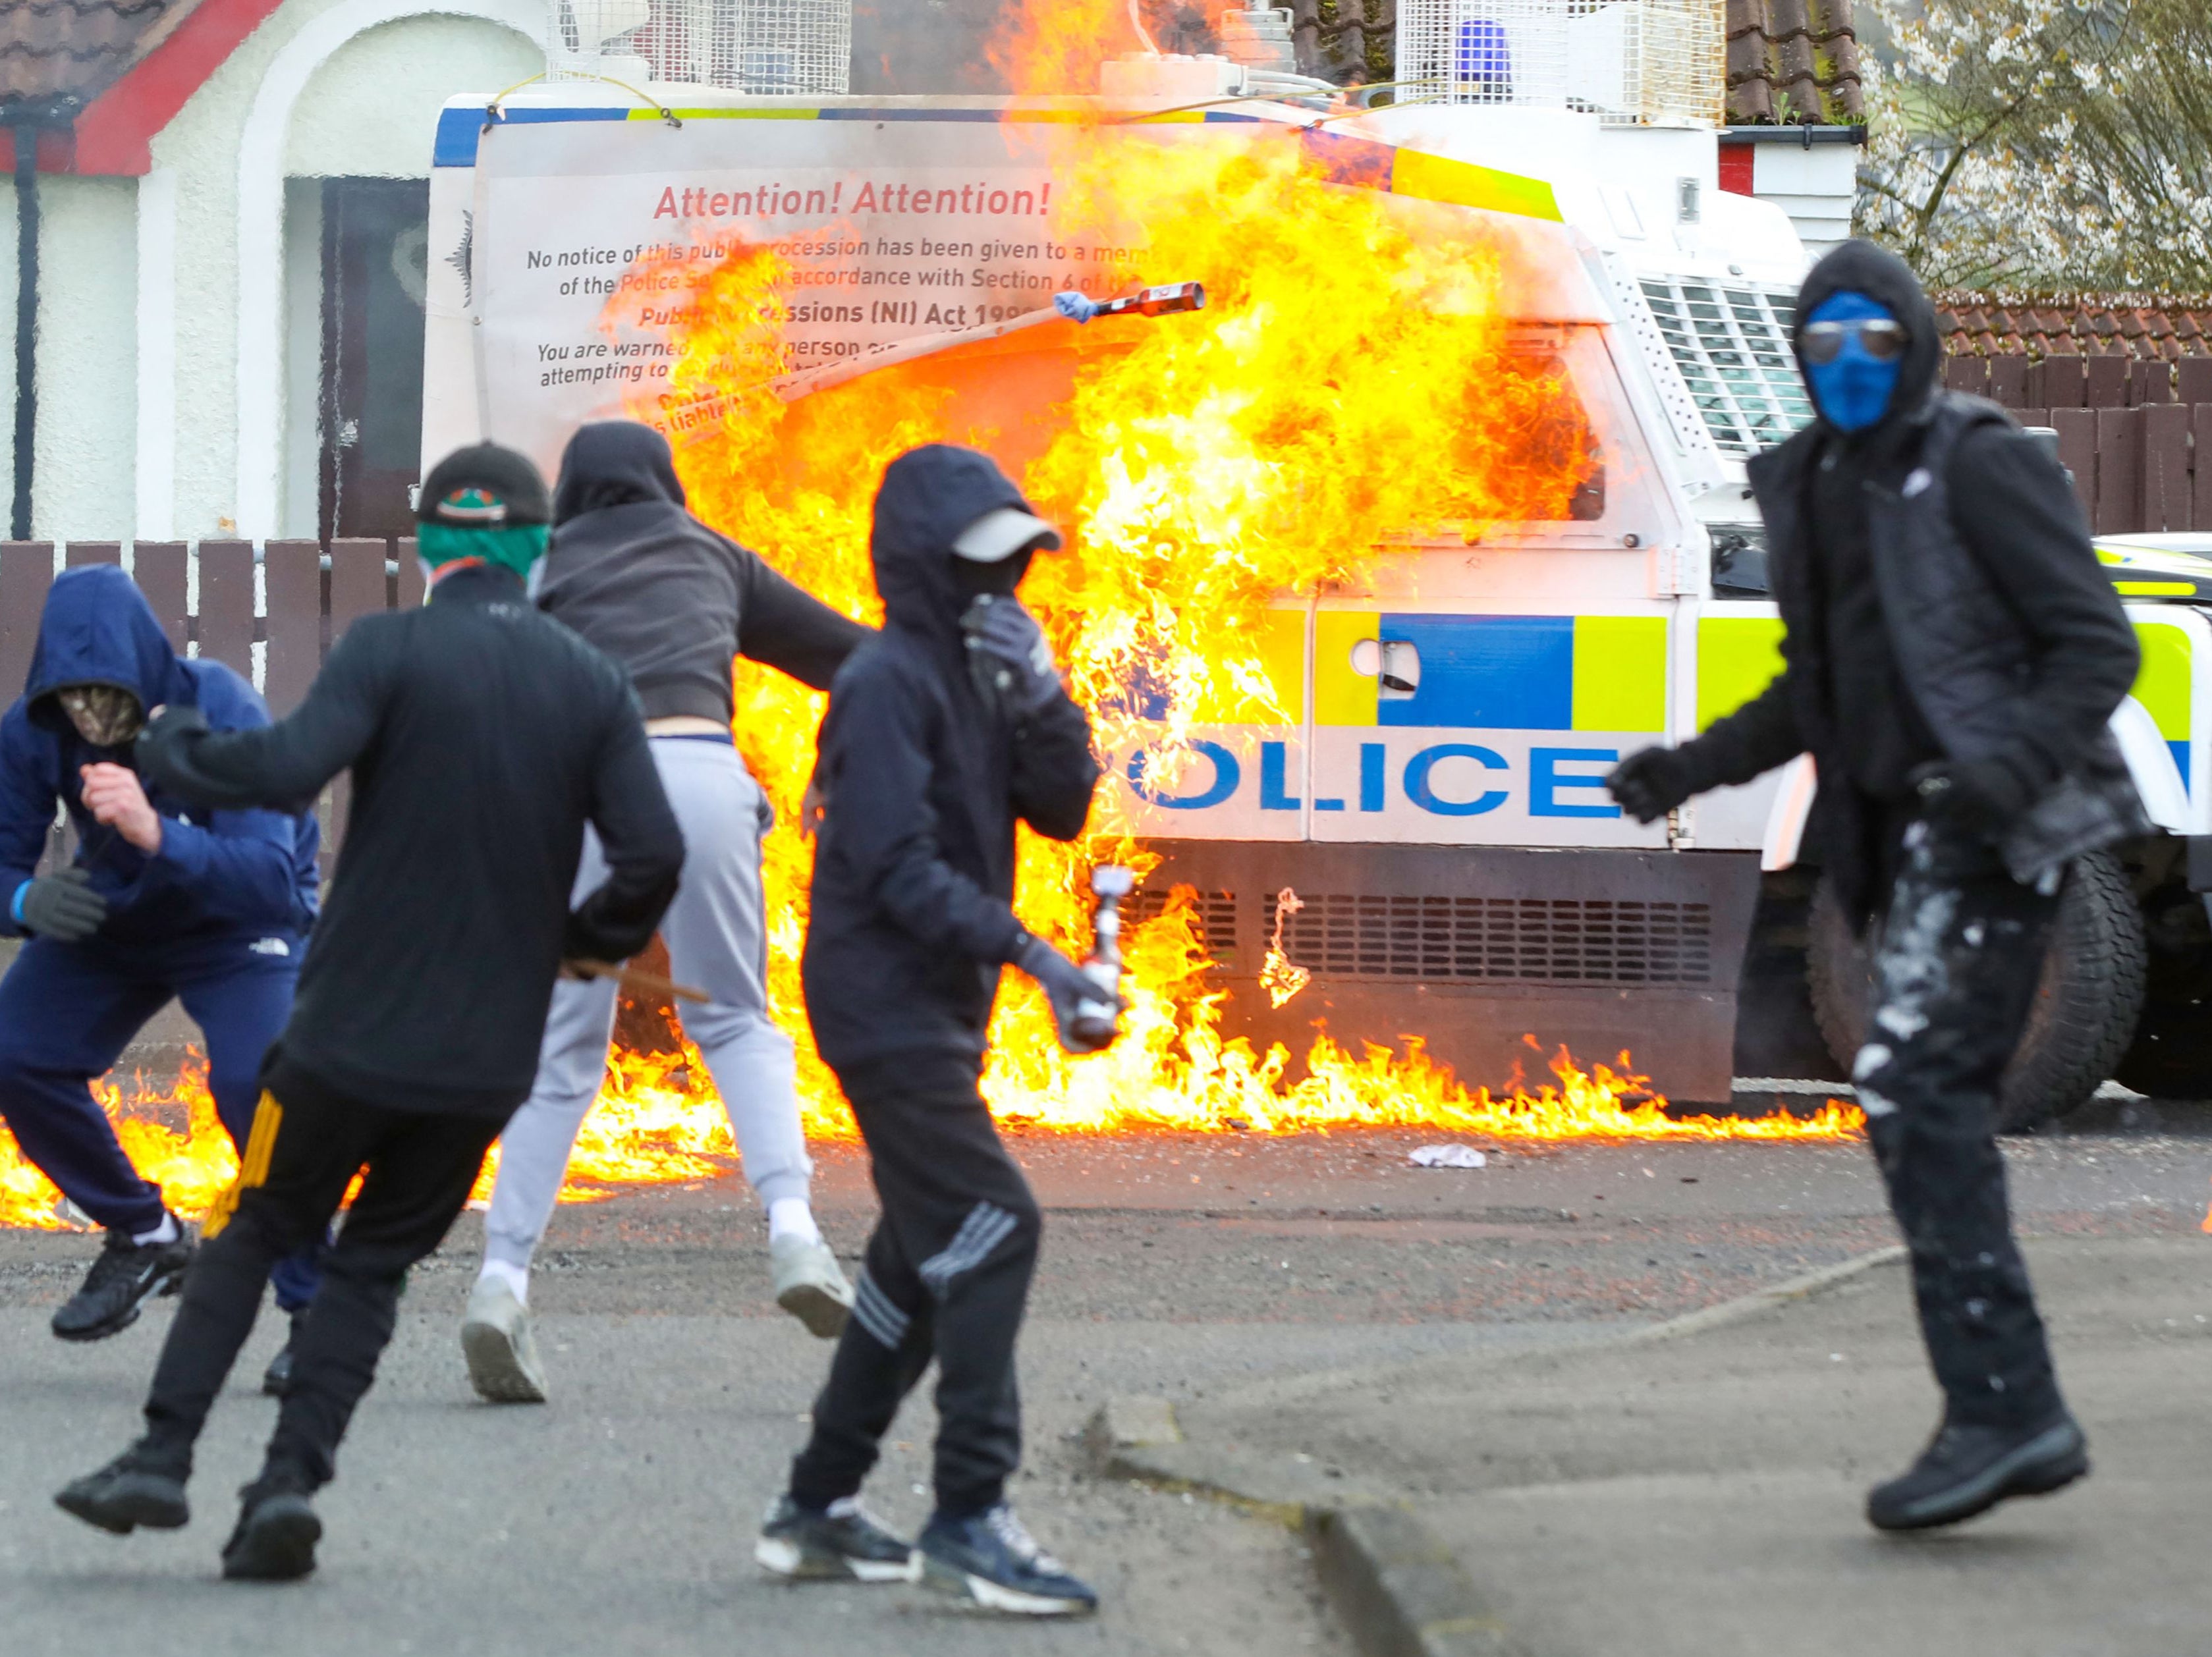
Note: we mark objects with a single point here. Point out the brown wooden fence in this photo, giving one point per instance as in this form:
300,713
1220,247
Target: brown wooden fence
2132,431
274,629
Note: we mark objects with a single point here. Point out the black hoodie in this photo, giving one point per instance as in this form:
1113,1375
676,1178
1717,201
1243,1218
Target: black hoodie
914,873
664,595
1841,693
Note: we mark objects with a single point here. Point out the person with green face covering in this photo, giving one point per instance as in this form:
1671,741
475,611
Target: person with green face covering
483,738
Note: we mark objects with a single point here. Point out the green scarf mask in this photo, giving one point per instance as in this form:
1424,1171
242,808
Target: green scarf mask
513,546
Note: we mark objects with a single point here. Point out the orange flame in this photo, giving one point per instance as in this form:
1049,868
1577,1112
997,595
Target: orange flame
1353,377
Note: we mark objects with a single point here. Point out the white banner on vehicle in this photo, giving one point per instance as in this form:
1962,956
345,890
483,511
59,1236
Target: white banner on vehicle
960,233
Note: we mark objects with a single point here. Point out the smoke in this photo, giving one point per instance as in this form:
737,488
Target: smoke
940,46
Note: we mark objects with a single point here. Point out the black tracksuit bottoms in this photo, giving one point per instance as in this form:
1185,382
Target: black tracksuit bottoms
1957,959
946,1275
418,1167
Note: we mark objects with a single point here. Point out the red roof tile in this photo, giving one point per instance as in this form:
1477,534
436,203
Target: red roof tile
1793,62
53,49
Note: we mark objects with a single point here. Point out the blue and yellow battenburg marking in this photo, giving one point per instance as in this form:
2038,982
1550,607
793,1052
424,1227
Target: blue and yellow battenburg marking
1497,672
1738,656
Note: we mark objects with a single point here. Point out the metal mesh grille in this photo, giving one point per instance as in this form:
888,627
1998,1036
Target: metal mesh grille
1732,345
1214,918
800,47
1526,940
1630,61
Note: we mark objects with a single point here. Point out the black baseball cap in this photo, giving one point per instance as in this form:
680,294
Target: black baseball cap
483,486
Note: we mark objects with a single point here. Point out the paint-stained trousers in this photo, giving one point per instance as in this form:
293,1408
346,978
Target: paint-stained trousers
300,1156
946,1276
1957,957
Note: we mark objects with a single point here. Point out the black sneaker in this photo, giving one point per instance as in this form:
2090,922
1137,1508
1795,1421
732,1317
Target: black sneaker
992,1561
275,1540
843,1541
120,1281
129,1492
1966,1469
277,1379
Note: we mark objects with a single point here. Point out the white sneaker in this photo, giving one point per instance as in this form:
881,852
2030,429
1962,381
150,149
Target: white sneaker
502,1354
809,1286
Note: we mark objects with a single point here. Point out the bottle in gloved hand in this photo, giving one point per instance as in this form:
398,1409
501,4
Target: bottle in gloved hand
1094,1024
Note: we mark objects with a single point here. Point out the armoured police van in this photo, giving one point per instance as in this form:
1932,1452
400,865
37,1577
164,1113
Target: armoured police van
1426,833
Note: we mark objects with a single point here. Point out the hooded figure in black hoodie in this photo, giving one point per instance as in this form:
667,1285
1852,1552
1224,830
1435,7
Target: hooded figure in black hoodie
1953,653
942,731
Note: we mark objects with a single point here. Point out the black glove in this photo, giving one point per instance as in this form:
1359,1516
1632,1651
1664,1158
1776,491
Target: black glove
1068,987
1009,649
1982,798
159,753
61,906
1652,782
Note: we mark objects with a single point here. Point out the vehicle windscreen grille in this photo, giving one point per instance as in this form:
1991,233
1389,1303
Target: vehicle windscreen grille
1732,345
1215,920
1525,940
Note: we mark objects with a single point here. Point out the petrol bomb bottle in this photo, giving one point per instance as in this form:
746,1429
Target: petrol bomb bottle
1158,302
1091,1026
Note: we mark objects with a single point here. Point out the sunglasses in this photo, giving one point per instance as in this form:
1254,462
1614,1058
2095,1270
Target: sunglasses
1880,338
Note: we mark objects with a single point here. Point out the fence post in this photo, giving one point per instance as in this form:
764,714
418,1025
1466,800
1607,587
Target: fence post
292,578
81,554
2009,380
2166,496
227,604
158,566
411,584
2078,452
2108,381
2201,465
27,570
2119,471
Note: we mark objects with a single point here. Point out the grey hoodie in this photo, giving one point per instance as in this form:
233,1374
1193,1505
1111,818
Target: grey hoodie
630,570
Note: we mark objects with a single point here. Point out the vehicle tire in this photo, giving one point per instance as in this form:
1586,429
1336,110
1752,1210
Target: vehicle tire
2086,1004
2171,1057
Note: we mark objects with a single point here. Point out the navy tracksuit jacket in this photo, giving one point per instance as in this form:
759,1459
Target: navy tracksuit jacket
218,918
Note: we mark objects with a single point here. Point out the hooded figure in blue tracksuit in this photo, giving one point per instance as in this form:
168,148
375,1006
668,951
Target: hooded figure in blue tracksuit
211,907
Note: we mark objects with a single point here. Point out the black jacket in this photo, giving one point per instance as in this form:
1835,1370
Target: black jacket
483,737
2002,627
664,595
914,873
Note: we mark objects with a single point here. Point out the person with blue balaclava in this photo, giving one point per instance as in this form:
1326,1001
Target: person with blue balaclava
1952,655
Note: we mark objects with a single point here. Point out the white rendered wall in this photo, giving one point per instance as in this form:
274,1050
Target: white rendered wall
1816,186
245,123
302,506
82,483
372,109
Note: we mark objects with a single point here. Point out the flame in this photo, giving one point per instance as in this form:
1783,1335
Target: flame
1280,976
1352,378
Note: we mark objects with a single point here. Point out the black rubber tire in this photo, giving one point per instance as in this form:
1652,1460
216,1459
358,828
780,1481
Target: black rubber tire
2086,1007
2171,1057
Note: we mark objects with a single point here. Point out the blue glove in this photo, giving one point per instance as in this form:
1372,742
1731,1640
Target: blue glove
1076,308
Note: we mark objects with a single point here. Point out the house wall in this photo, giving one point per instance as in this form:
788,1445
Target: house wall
1815,185
87,377
321,89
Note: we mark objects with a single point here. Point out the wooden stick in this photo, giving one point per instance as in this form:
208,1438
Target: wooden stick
632,977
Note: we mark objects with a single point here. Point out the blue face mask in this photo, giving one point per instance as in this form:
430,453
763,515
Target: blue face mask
1853,391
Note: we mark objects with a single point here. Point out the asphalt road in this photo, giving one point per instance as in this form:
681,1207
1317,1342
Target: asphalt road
619,1518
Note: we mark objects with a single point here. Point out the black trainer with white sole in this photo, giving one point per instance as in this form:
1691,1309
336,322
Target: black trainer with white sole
990,1560
122,1279
128,1492
1967,1470
844,1543
276,1537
